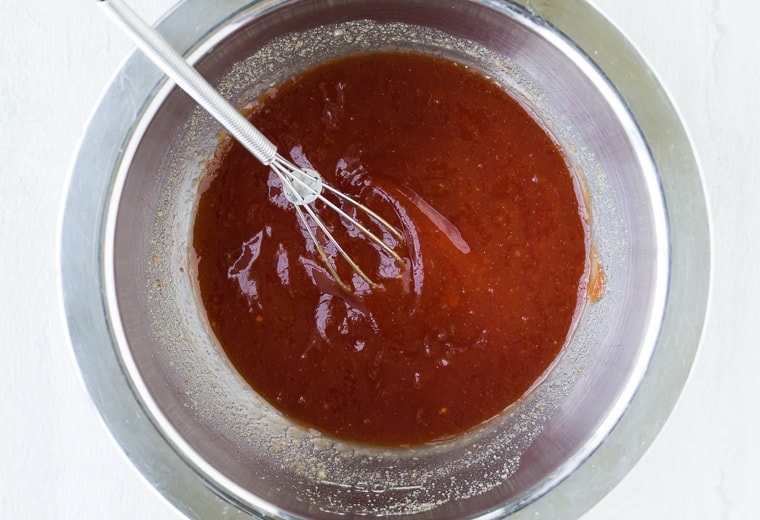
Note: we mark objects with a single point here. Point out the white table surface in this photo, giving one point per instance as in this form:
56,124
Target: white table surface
57,460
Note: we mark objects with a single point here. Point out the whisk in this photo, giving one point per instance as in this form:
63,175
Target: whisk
301,186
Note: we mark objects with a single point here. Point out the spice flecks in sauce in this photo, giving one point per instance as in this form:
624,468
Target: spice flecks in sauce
495,248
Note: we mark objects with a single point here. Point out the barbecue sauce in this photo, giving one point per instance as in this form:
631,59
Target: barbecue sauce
495,251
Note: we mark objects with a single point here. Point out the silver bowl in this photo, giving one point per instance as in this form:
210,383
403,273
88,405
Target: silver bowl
208,442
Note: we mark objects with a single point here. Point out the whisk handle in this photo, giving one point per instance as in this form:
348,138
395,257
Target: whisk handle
190,80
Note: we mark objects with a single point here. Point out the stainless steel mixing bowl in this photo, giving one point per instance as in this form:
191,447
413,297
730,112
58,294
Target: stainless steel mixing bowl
199,432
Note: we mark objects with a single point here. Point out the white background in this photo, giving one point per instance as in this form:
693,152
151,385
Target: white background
57,460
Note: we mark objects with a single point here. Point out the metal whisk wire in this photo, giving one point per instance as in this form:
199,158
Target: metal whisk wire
302,186
302,192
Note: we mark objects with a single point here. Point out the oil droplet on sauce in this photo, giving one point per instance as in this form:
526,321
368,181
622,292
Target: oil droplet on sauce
495,252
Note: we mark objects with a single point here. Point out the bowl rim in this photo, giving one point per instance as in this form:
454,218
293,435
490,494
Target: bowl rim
85,312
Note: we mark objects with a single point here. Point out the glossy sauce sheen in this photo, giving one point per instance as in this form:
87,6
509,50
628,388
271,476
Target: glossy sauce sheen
495,252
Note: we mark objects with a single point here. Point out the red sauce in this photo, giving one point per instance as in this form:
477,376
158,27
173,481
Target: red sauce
495,252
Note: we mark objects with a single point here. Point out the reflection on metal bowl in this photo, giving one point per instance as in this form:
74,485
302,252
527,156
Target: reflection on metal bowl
133,316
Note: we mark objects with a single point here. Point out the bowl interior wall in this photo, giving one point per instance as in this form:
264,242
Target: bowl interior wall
245,449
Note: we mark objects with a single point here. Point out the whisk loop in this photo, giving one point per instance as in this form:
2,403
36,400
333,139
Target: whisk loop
301,186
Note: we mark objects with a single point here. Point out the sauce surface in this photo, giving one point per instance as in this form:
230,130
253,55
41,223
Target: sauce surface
495,249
